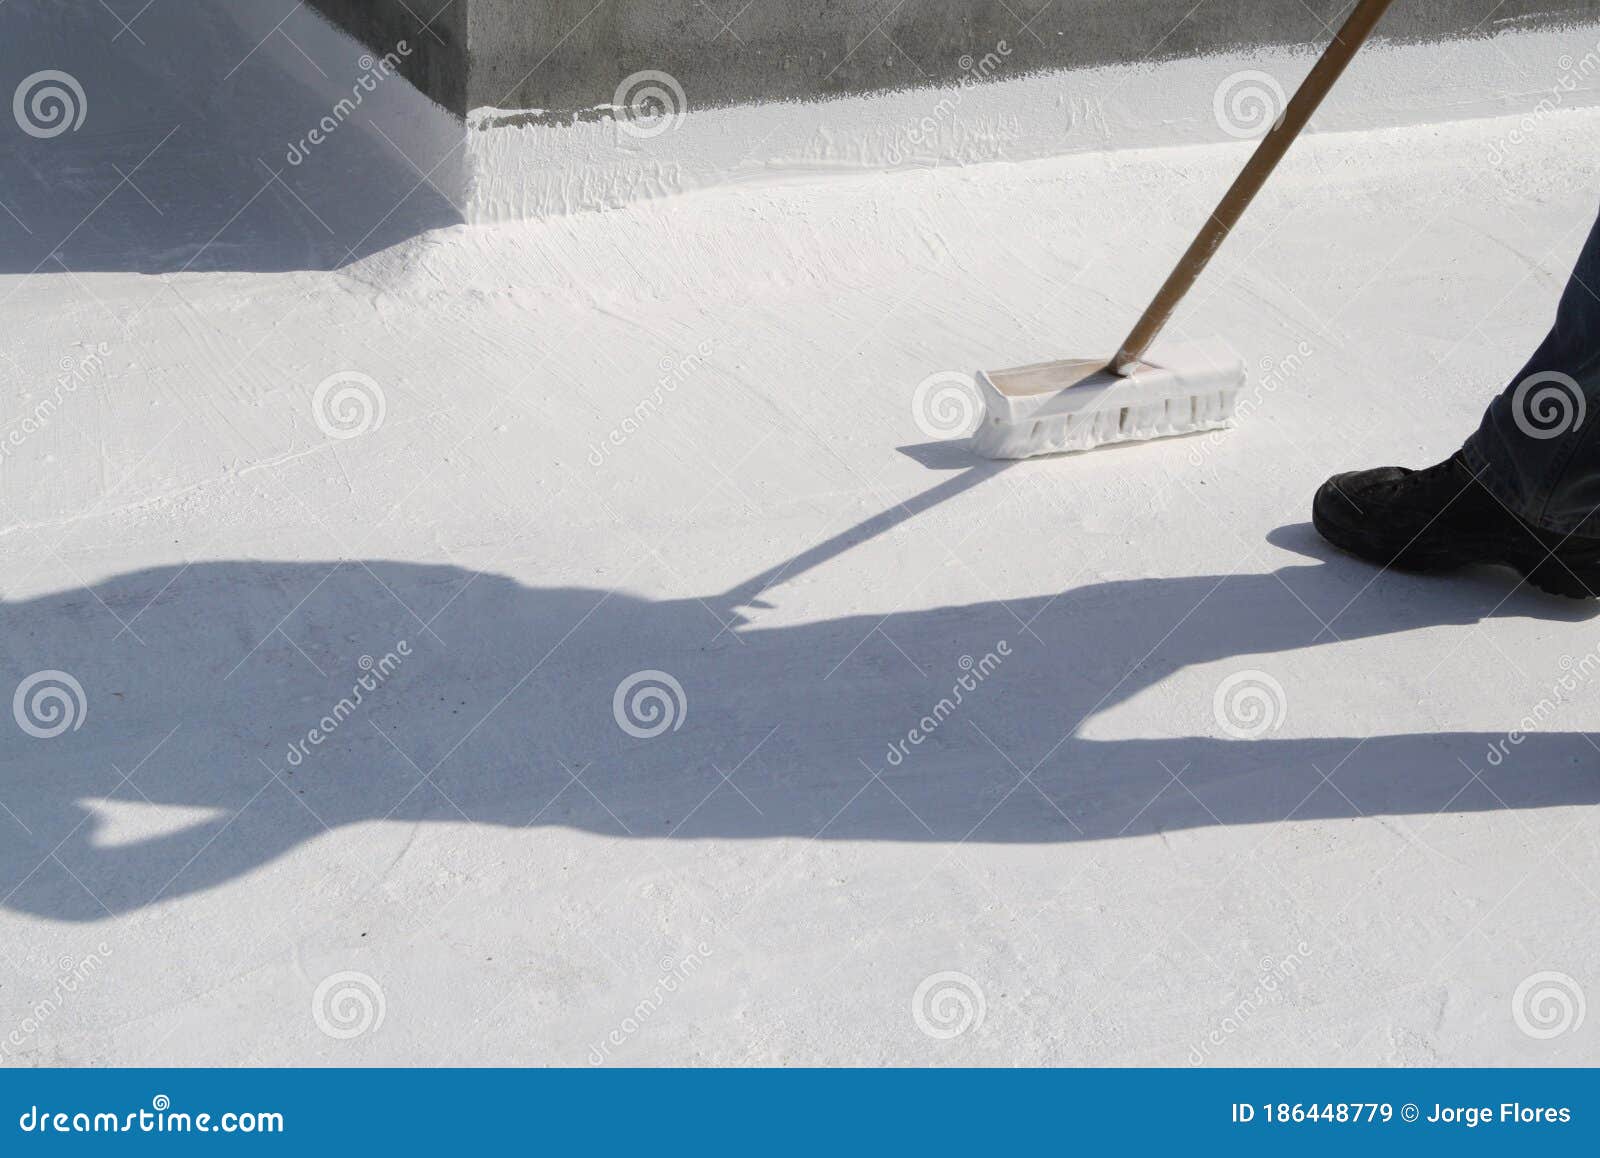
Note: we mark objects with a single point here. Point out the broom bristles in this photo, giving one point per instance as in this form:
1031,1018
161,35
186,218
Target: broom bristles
1179,390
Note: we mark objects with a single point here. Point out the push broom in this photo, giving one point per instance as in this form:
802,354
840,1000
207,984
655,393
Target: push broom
1149,391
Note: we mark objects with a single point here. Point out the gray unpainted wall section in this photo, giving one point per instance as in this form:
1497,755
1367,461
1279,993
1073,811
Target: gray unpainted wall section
567,56
435,35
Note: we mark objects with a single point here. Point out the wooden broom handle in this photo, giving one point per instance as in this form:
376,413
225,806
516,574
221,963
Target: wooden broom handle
1346,43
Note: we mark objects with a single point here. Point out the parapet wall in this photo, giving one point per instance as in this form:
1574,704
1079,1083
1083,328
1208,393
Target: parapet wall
564,57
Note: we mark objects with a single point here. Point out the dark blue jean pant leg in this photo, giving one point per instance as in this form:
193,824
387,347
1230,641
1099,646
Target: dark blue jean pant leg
1538,448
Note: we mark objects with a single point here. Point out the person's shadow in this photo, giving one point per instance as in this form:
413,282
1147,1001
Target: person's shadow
239,689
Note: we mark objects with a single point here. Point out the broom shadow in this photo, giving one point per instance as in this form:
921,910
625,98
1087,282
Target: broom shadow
211,741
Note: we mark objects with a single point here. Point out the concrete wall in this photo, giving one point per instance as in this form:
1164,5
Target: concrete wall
434,30
564,56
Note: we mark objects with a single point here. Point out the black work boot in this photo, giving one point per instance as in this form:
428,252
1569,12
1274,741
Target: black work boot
1442,517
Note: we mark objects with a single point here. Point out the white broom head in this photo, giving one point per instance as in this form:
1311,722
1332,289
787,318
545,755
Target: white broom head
1078,404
